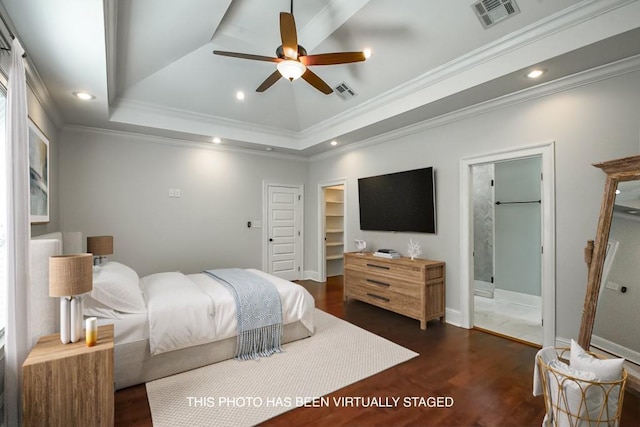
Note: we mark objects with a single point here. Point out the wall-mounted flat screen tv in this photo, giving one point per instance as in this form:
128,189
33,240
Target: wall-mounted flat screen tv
401,201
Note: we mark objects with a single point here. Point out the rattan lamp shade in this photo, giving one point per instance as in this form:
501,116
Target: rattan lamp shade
70,274
100,245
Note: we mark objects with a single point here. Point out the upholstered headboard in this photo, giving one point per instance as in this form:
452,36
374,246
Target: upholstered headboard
44,311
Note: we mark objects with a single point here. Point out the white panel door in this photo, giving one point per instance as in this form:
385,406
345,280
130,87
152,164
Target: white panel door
284,232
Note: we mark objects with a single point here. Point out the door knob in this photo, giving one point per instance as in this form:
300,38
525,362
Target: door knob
270,239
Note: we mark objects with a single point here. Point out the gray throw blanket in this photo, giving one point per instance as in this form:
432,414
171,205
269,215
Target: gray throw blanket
259,312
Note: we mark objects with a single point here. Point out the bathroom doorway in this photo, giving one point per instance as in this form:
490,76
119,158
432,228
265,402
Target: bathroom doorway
507,224
545,249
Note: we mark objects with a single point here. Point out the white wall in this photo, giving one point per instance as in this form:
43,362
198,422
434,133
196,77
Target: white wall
589,124
117,183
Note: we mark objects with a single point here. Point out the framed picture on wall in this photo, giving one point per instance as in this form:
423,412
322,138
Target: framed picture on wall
38,174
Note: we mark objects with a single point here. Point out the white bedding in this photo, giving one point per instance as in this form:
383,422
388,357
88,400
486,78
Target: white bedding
128,327
184,311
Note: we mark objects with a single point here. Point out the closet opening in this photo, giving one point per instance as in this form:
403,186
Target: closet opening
332,228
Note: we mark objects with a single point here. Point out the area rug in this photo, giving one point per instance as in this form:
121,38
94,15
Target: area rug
233,393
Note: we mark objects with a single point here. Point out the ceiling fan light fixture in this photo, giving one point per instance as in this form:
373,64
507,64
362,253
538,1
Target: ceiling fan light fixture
291,69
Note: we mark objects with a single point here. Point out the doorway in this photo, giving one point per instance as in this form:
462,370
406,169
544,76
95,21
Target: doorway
507,248
332,214
505,259
283,231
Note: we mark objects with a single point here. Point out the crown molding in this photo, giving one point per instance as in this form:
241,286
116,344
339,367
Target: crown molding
583,78
556,23
183,143
164,115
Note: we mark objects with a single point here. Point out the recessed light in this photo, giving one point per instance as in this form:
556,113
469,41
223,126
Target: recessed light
534,74
367,53
632,212
239,95
84,96
618,191
269,149
216,140
334,143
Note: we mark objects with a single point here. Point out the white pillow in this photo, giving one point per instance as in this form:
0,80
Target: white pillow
118,287
604,369
571,394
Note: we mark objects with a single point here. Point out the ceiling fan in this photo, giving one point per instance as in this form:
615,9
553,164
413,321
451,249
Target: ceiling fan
292,59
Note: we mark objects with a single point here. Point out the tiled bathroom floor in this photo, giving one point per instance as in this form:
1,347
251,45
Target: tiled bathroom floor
510,319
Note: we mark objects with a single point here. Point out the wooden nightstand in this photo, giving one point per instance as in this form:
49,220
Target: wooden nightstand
69,384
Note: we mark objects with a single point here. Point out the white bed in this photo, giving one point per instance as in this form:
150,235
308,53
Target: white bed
143,354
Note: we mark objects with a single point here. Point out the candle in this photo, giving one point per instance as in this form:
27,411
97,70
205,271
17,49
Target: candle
91,333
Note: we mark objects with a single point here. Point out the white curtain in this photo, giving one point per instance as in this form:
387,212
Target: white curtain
18,234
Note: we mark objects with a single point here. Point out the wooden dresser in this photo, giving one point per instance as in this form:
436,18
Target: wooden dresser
69,384
415,288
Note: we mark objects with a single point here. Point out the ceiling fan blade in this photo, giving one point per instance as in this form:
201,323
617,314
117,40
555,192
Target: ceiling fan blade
315,81
289,35
332,58
247,56
269,81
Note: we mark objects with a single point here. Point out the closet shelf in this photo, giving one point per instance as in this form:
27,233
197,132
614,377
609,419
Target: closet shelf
334,230
334,243
333,257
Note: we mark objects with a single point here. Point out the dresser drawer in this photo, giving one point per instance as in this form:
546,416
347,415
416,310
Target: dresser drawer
400,269
375,281
409,305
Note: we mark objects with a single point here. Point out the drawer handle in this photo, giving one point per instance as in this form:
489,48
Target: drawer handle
383,267
376,282
378,297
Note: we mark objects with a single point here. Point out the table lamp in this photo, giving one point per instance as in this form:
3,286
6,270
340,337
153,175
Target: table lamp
70,276
100,246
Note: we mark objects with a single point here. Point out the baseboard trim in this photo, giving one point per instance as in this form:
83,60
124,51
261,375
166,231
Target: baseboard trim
453,317
563,342
518,298
614,348
311,275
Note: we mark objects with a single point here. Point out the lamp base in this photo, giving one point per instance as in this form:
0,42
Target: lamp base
75,320
70,319
99,260
65,319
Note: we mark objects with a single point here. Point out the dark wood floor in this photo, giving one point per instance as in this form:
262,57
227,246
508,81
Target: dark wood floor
488,377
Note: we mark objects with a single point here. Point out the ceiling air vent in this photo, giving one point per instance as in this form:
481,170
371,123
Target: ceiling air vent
490,12
344,91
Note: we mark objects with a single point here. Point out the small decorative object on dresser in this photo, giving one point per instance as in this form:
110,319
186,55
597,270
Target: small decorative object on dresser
414,289
414,249
361,245
69,385
387,253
